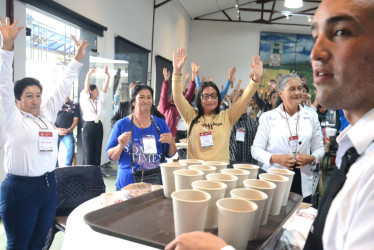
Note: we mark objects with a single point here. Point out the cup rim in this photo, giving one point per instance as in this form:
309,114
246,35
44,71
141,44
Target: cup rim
229,169
207,198
289,172
251,203
197,172
220,163
234,178
197,166
273,185
207,188
191,161
265,196
170,164
253,166
285,179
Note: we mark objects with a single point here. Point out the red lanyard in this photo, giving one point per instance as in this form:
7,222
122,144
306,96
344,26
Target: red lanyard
95,109
141,127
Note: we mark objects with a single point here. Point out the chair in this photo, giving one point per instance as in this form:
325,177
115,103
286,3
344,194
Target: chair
75,185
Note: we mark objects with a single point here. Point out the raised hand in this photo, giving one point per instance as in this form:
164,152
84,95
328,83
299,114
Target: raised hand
231,74
187,77
9,33
93,70
195,70
81,48
166,74
106,72
257,68
179,59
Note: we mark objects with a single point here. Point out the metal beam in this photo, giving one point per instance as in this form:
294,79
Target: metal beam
160,4
228,17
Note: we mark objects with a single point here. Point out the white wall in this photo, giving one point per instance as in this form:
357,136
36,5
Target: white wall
218,46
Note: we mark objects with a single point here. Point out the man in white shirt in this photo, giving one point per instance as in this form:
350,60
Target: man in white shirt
343,69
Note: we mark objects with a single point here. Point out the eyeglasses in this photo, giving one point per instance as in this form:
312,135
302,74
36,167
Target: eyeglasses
206,96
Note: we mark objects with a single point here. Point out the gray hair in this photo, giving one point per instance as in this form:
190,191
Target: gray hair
281,85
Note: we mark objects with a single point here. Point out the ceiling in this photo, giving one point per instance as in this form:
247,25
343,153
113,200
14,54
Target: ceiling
254,11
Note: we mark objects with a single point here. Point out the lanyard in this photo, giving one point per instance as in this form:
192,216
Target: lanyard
95,109
297,129
141,125
46,126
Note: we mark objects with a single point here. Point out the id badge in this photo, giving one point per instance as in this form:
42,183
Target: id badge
206,139
323,123
45,141
293,143
240,133
149,144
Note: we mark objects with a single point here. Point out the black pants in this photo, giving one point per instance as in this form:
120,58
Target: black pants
296,185
92,140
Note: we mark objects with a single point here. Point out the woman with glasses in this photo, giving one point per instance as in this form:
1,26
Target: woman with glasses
209,128
28,196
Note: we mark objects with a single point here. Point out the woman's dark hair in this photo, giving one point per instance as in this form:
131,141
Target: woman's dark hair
272,93
198,102
92,88
305,87
20,86
135,92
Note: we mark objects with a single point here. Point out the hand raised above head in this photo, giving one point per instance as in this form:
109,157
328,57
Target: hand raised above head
231,74
81,48
106,70
179,59
9,33
166,74
257,68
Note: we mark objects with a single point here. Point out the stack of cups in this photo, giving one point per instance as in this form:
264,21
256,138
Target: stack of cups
253,169
184,178
216,190
287,173
235,220
167,174
240,173
281,183
257,197
264,186
228,179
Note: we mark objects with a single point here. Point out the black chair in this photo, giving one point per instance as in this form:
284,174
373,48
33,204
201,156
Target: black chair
75,185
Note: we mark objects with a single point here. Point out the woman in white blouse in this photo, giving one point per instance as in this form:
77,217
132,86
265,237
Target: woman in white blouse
91,102
290,137
28,195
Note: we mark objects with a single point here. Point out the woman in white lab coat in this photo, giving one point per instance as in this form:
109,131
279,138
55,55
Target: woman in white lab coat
289,137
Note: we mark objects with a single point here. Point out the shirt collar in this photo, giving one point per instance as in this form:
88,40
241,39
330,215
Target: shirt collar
302,112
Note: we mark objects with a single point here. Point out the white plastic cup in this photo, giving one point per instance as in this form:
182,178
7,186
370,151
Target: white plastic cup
205,168
184,178
107,199
228,179
190,208
281,183
240,173
218,164
253,169
235,219
257,197
167,175
264,186
289,174
216,190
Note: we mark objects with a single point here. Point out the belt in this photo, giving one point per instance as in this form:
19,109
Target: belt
146,173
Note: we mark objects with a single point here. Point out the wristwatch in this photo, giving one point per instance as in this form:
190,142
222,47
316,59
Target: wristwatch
314,161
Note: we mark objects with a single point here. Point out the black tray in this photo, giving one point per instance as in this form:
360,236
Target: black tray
148,220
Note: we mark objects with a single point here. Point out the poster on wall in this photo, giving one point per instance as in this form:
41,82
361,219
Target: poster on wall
284,53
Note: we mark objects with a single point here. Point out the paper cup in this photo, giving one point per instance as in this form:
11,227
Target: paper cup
281,183
190,162
240,173
257,197
253,169
205,168
235,219
184,178
190,208
264,186
216,190
228,179
107,199
289,174
218,164
167,175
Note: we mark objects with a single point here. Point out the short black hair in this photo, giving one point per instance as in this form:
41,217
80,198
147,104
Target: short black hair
305,87
136,90
20,86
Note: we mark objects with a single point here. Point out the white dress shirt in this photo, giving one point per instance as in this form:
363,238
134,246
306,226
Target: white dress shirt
22,154
350,220
273,134
92,110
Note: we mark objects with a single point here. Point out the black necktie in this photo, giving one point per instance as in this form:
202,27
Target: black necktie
335,183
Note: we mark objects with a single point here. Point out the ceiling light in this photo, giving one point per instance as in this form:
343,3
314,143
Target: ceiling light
309,19
292,4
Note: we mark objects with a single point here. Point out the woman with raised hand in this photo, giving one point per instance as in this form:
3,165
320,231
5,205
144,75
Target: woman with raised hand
289,137
28,196
92,102
209,128
140,142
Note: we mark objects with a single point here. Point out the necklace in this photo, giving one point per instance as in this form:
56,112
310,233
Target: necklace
142,124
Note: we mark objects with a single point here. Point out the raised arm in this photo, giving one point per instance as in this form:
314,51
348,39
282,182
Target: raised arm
241,105
164,98
9,33
184,108
106,72
186,79
230,80
87,81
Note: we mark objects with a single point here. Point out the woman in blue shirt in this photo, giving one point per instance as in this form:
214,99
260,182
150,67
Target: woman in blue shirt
140,141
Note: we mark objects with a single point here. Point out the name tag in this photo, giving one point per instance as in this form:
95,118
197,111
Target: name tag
149,144
293,143
206,139
240,133
46,141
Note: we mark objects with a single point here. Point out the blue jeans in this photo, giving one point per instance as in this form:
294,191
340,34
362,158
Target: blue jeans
69,143
28,208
